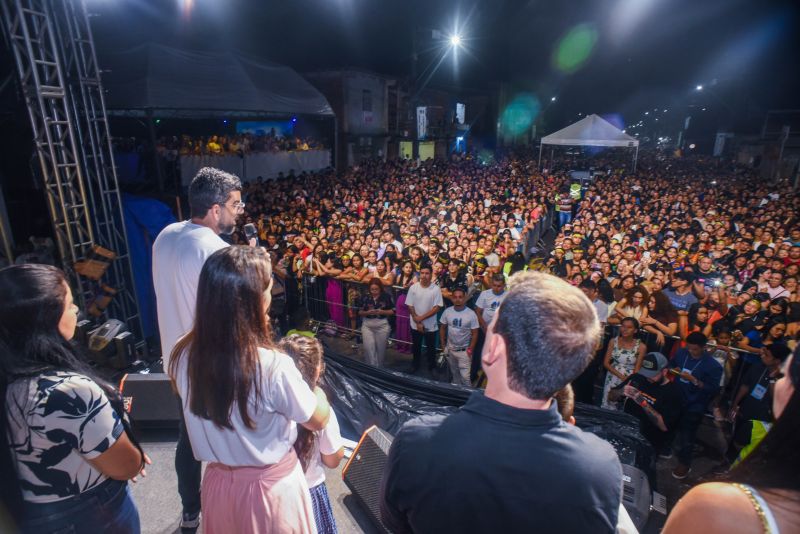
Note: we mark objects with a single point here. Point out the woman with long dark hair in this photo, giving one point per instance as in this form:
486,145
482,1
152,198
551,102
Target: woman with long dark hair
661,320
375,309
242,401
762,493
405,279
65,449
623,357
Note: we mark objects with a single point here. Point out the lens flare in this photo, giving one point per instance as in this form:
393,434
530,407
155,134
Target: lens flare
520,114
575,48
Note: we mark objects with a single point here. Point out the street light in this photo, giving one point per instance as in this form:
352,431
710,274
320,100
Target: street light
455,40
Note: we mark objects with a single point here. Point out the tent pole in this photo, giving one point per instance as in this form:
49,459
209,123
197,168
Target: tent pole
540,155
635,158
551,158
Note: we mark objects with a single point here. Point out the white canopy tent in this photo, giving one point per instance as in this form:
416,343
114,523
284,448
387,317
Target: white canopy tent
591,130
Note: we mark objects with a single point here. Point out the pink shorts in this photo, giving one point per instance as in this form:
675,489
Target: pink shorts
245,500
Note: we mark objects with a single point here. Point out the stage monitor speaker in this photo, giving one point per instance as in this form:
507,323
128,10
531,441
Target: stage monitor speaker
636,496
363,471
150,400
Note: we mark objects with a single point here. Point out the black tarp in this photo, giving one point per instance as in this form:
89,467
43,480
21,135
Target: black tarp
363,395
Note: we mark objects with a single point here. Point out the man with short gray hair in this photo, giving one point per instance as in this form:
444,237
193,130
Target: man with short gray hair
179,252
506,461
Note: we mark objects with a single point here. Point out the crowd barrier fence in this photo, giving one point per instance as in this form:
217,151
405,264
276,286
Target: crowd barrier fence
333,306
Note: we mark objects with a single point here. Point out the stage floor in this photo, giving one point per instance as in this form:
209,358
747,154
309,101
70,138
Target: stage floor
159,505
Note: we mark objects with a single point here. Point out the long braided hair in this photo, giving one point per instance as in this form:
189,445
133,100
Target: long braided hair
307,354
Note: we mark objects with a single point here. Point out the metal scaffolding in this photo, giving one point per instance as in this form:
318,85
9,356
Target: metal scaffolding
57,66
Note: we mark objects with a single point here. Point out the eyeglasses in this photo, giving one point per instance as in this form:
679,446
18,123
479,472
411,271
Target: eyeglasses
238,206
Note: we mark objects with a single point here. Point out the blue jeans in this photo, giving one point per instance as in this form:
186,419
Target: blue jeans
105,508
564,217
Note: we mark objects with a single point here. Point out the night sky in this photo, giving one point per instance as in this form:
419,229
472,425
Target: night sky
640,54
623,57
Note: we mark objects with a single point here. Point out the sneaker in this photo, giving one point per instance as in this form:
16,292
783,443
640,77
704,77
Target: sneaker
721,468
190,520
681,471
666,453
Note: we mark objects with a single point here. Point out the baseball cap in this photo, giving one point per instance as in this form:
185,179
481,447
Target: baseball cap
652,364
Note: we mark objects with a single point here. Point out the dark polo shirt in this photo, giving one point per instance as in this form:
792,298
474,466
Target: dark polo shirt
494,468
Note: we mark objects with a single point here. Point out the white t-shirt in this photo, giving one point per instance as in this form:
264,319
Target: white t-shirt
424,299
459,326
489,302
329,441
775,292
602,310
285,401
179,252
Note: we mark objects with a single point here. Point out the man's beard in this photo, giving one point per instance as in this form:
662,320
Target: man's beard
227,229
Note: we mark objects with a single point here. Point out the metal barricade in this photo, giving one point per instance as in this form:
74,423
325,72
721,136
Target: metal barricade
333,305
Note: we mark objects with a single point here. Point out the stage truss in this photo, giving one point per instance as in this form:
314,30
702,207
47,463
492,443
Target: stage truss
58,73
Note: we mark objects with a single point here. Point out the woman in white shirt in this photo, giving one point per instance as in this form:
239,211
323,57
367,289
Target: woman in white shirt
242,401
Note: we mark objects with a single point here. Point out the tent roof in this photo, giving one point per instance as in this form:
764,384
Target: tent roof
591,130
182,83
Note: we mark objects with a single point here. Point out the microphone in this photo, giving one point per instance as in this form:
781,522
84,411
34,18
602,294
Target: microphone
251,232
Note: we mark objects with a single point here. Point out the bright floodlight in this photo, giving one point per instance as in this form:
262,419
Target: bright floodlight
455,40
552,99
699,87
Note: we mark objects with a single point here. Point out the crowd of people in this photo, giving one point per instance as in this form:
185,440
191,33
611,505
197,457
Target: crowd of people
171,147
233,145
698,256
681,250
